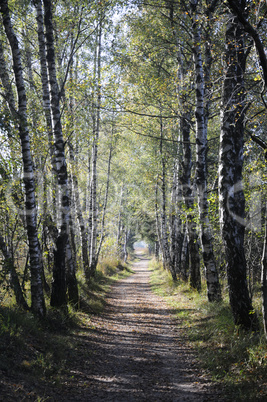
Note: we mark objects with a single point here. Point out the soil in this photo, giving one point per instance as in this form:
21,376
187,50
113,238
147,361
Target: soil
134,351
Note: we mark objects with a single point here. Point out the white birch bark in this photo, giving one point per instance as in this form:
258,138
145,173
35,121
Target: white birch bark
165,241
158,225
74,169
37,296
264,279
188,197
93,245
231,195
58,296
212,279
105,200
176,226
44,76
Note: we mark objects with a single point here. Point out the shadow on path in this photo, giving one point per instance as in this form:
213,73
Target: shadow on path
135,352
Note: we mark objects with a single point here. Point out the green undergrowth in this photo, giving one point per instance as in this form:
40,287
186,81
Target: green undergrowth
33,349
235,359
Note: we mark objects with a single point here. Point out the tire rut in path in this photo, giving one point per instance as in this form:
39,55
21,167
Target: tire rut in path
138,353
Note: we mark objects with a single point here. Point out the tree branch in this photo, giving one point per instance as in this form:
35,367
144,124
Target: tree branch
234,7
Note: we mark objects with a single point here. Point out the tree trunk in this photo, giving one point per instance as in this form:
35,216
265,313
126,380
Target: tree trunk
158,226
213,285
185,258
38,303
165,242
176,226
264,279
120,224
74,152
232,201
59,287
105,201
93,245
188,196
59,280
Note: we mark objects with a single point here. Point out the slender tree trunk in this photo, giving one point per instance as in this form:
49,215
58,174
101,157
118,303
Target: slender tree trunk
83,231
125,252
44,79
193,246
232,201
157,250
73,150
120,224
175,220
58,297
38,303
185,258
105,202
93,245
213,285
158,226
264,279
165,242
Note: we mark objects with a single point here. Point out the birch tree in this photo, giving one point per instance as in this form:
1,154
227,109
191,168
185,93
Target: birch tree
261,53
232,202
37,296
63,252
188,197
213,286
96,129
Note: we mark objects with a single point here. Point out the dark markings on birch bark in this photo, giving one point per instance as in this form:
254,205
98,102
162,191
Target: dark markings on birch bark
188,197
232,201
59,279
37,296
105,200
264,278
93,244
165,243
212,278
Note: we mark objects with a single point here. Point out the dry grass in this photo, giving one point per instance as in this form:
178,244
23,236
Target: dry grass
35,354
236,359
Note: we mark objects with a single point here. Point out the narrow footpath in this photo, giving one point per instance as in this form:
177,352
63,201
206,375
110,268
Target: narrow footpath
136,351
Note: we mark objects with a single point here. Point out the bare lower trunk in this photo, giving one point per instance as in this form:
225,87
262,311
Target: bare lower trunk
59,287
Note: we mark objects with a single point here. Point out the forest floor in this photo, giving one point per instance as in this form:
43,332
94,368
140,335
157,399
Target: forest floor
133,351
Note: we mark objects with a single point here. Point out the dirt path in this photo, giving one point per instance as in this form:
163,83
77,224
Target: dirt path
137,353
